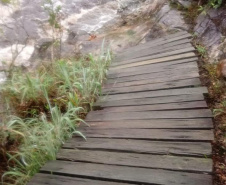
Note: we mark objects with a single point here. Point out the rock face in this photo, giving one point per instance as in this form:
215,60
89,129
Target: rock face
171,18
211,32
27,35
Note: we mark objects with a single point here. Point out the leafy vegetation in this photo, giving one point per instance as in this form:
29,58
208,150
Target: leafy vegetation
6,1
49,105
214,80
215,3
201,50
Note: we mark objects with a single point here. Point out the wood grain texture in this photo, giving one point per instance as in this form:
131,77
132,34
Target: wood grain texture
48,179
150,101
152,87
155,50
118,84
146,60
108,116
197,149
198,91
164,106
153,134
152,57
149,69
167,162
166,65
156,42
205,123
125,174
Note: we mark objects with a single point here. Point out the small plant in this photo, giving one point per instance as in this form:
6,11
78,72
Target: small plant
215,3
6,1
201,50
131,32
221,110
217,86
54,11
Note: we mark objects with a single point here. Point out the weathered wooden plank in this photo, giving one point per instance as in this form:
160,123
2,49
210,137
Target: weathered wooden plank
156,67
155,71
204,123
116,84
153,134
198,149
163,106
150,101
125,174
161,55
48,179
160,41
154,50
152,87
109,116
157,60
155,76
161,93
151,50
167,162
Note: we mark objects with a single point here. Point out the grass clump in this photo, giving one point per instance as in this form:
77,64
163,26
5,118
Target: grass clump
215,81
48,105
201,50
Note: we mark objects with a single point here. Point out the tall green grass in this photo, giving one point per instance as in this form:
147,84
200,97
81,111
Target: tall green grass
49,104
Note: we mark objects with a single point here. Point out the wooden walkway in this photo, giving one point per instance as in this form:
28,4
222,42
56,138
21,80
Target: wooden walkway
151,127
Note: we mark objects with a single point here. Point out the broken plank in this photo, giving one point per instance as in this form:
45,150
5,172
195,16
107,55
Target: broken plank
125,174
167,162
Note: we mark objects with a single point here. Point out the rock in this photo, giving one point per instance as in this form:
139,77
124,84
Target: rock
44,43
184,3
210,30
171,18
104,18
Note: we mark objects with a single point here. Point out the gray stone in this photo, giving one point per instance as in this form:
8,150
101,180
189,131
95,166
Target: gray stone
184,3
80,18
211,29
171,18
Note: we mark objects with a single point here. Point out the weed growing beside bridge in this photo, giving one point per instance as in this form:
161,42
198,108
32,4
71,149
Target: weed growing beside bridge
48,106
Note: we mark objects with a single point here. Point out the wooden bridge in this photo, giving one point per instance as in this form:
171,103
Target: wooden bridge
152,126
